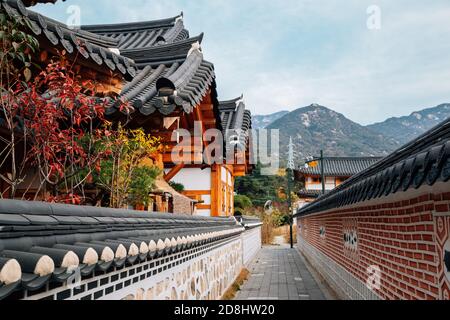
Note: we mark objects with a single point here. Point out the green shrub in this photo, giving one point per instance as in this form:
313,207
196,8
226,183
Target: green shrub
142,184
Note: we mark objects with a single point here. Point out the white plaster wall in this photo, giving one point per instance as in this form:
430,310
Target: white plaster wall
251,242
206,199
319,186
194,179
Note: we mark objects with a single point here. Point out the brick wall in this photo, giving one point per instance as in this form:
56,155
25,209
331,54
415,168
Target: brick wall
406,240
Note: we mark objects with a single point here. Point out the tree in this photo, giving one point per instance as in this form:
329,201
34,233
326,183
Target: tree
66,124
127,151
260,188
178,187
242,204
142,183
57,119
15,62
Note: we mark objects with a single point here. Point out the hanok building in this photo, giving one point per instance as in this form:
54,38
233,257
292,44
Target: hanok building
336,171
176,89
160,71
213,186
61,252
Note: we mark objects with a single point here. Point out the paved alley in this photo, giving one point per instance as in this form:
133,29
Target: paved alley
279,273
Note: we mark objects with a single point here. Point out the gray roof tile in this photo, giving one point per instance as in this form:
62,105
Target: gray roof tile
89,45
236,122
139,35
26,238
341,167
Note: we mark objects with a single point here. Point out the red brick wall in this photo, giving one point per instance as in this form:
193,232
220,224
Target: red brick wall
405,239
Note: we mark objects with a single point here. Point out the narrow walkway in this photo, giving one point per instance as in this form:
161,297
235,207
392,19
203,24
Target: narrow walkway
279,273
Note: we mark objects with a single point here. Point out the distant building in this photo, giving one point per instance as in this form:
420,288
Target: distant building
336,171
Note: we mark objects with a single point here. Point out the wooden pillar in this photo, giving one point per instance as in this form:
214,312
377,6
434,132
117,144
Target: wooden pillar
216,191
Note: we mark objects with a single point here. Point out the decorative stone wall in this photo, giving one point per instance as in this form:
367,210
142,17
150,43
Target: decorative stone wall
202,273
206,276
407,241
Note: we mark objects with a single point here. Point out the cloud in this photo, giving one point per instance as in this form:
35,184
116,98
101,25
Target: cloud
289,54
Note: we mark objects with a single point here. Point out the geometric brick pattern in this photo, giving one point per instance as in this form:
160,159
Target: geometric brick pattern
407,240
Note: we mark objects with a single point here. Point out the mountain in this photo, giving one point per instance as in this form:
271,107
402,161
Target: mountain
316,127
405,129
261,122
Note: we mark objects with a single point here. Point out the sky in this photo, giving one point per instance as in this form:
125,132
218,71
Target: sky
369,63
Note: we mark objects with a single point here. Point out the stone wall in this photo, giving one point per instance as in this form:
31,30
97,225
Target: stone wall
201,273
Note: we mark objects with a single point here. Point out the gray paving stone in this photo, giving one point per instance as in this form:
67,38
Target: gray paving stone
279,273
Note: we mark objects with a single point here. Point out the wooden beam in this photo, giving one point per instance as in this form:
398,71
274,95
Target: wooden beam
216,191
198,116
184,122
207,107
173,172
196,192
207,98
210,122
193,158
239,170
203,206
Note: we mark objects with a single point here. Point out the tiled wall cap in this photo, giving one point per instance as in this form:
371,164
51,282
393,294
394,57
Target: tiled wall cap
44,266
143,248
160,245
134,250
90,257
152,246
70,260
121,252
107,255
10,271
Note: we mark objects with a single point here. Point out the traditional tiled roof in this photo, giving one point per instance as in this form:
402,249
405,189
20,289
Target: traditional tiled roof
234,116
249,222
185,83
422,162
39,242
165,53
341,167
171,73
303,193
137,35
84,45
168,59
33,2
236,121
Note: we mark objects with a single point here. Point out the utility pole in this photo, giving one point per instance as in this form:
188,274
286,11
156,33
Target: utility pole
322,174
290,169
